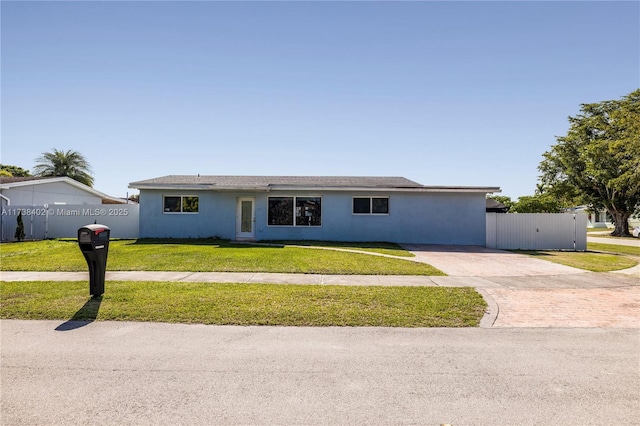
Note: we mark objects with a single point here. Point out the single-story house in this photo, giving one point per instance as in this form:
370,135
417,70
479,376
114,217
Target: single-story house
37,191
334,208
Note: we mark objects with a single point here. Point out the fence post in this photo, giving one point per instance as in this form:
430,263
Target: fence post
575,232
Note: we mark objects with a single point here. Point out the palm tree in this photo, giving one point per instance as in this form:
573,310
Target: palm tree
59,163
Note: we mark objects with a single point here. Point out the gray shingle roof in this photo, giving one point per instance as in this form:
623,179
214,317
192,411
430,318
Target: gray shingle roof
269,183
277,182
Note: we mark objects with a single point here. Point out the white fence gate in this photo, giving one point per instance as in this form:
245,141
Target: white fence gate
63,221
537,231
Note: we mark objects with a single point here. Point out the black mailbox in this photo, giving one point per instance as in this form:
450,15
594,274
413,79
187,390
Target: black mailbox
94,244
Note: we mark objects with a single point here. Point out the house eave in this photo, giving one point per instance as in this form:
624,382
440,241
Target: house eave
280,188
423,189
475,189
201,187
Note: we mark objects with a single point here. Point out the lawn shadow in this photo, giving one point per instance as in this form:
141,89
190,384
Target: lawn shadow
206,242
85,315
222,243
338,244
534,253
188,241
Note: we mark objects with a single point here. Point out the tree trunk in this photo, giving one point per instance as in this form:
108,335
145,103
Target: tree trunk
621,220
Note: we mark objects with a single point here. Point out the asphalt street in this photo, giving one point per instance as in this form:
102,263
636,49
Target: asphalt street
118,373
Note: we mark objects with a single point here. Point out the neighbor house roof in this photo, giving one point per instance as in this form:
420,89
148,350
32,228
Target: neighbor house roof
8,182
270,183
18,179
494,206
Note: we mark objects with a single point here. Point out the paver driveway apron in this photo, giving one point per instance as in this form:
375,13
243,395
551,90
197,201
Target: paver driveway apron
529,292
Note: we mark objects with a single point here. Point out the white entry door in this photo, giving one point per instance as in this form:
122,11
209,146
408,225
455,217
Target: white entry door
245,218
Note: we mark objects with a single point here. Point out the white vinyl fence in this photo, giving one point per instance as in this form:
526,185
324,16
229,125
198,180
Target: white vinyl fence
63,221
537,231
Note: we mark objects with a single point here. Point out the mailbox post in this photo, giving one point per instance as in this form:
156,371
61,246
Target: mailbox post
94,244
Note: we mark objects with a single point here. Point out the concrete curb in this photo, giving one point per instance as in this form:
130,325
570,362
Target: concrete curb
491,314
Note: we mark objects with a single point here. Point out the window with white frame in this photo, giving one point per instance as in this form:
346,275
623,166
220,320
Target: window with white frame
370,205
180,204
294,211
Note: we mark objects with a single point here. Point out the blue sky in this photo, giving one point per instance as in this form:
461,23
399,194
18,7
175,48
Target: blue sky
443,93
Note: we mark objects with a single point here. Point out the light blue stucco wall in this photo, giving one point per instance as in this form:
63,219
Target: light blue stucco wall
427,218
215,218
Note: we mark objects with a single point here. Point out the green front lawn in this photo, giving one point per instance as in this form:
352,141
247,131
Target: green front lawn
615,248
590,230
210,256
245,304
589,261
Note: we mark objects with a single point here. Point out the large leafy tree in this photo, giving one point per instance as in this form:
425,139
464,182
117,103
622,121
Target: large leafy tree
539,203
599,159
64,163
14,171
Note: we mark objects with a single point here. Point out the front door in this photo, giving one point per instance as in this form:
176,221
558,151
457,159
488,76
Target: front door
245,218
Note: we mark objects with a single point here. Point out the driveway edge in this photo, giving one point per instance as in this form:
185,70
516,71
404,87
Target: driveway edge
491,314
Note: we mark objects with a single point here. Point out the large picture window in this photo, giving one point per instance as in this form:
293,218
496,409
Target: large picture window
280,211
295,211
180,204
370,205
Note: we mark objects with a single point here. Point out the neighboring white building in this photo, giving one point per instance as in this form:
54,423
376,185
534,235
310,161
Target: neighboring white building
598,219
602,219
37,191
56,207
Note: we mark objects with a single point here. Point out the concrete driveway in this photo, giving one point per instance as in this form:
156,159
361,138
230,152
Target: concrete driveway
476,261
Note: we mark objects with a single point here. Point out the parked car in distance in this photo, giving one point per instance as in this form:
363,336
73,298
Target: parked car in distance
636,232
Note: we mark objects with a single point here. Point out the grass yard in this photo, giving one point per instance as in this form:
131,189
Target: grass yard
589,260
211,256
245,304
598,230
613,248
